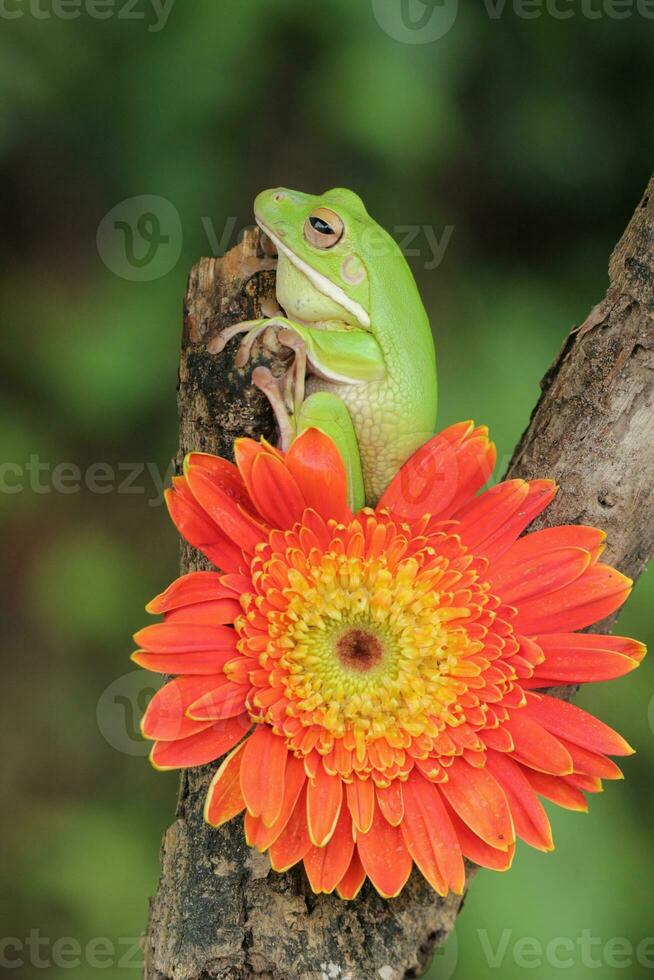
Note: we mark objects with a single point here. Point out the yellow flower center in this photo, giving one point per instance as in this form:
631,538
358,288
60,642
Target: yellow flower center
370,650
373,644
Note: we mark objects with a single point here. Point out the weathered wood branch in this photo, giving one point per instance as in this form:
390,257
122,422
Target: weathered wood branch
219,912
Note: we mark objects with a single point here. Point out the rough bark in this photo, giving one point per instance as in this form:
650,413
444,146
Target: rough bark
219,911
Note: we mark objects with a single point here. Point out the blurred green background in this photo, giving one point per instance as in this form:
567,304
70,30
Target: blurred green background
529,139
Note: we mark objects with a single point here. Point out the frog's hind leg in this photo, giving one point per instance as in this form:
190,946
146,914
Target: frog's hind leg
329,414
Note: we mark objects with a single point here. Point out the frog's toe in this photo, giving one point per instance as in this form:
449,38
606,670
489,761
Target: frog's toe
289,338
242,355
218,343
264,380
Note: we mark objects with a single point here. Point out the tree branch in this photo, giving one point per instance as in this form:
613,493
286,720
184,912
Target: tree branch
219,912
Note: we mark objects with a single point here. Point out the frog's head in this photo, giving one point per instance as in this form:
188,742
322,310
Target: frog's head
325,243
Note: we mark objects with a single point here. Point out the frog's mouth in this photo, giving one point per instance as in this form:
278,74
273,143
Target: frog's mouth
322,284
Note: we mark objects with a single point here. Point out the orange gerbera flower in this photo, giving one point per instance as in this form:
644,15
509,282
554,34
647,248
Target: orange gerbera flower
375,677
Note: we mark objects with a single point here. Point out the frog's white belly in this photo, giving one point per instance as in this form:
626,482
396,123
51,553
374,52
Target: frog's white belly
376,409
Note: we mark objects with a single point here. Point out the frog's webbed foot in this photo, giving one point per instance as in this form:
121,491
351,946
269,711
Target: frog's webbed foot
263,379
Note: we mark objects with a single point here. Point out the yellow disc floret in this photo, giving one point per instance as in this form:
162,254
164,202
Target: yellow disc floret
367,641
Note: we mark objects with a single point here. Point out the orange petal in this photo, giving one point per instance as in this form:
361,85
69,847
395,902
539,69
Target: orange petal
536,576
177,637
350,884
595,594
324,798
576,725
361,802
245,453
535,747
189,589
326,866
317,466
529,817
589,784
201,748
557,790
575,658
224,798
479,800
165,716
223,510
493,522
477,850
443,474
223,473
497,738
275,492
262,774
216,612
238,584
201,662
256,832
430,837
391,802
592,763
532,547
385,857
199,530
293,842
224,701
491,510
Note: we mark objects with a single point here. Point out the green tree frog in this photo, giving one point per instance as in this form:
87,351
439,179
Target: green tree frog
364,370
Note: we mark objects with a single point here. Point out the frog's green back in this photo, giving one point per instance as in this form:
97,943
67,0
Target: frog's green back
397,316
401,326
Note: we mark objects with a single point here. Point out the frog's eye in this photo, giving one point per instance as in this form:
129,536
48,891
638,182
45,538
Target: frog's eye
323,228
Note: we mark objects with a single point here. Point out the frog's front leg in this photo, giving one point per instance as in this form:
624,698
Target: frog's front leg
286,394
252,329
